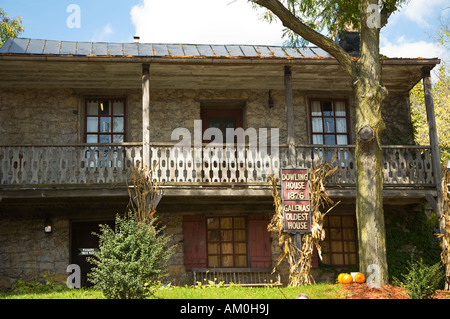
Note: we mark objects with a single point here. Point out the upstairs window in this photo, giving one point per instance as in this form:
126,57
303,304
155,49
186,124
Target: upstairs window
329,122
105,120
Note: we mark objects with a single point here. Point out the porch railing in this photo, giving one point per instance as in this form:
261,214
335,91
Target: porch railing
110,163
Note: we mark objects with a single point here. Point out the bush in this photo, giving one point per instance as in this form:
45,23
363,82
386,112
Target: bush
132,259
422,281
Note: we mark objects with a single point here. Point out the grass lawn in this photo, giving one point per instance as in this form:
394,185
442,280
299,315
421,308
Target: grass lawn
318,291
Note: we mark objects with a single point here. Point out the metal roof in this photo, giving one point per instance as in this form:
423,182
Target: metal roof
13,46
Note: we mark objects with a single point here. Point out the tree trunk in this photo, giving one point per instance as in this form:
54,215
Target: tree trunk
369,93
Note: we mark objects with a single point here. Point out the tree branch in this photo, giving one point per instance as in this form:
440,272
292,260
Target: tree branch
290,21
386,11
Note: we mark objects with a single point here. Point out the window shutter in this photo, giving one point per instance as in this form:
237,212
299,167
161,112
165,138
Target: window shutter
194,241
259,241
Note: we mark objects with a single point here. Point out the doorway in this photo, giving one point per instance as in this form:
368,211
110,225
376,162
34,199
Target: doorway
84,244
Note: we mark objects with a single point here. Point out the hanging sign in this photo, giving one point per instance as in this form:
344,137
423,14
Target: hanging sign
295,200
87,251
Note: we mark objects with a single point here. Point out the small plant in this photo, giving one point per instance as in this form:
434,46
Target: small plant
422,281
132,259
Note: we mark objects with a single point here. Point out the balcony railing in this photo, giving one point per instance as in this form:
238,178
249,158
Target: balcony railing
110,163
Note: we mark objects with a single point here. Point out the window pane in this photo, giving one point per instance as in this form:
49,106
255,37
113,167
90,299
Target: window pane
227,235
317,125
118,125
337,259
335,233
118,139
327,109
227,261
104,108
92,139
105,139
213,249
348,221
340,108
213,261
317,139
349,246
92,124
213,223
226,222
240,248
118,108
214,235
239,235
334,221
348,234
105,124
239,222
330,139
329,125
315,109
240,261
92,108
350,259
341,125
342,139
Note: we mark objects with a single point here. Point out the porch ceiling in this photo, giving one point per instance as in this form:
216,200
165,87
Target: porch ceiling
216,73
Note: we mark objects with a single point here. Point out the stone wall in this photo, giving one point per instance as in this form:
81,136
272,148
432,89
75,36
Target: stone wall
27,253
30,116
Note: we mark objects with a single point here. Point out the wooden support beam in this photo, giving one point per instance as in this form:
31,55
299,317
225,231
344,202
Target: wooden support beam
146,115
289,105
434,143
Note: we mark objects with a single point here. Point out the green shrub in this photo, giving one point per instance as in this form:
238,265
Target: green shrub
421,280
132,259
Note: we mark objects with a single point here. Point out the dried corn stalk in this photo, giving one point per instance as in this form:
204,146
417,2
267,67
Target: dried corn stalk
445,255
300,260
143,192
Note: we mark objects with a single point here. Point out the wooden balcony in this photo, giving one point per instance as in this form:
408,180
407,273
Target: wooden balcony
108,164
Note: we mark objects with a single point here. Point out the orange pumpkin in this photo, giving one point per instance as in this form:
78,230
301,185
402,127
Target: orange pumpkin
360,278
346,279
340,277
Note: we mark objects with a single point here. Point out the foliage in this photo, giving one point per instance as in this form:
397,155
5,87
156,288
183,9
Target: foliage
406,232
22,287
422,280
326,16
441,97
132,259
9,28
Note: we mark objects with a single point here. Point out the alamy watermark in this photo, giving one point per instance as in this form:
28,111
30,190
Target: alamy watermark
73,21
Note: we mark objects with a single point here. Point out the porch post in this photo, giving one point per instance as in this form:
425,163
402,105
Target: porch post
289,116
436,162
146,115
292,158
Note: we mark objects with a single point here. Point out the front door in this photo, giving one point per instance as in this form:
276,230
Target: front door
84,243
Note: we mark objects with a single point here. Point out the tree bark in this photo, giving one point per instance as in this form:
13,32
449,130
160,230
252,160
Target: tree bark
369,93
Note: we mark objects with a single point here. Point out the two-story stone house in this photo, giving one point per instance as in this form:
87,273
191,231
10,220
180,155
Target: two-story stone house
75,116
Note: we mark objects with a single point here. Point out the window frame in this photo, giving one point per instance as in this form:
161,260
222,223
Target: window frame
323,133
220,254
327,250
99,116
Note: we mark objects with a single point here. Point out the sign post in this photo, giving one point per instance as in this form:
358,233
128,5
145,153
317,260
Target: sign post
295,200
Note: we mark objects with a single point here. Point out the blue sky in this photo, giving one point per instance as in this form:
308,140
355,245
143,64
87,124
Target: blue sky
408,34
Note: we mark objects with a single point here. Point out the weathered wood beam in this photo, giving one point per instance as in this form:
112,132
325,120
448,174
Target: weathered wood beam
146,156
434,142
289,106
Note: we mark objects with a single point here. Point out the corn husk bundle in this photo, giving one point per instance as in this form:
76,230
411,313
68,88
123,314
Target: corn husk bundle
445,255
300,259
142,192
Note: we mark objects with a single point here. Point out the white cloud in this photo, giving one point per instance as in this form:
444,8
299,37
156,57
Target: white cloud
403,48
423,12
203,21
103,34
